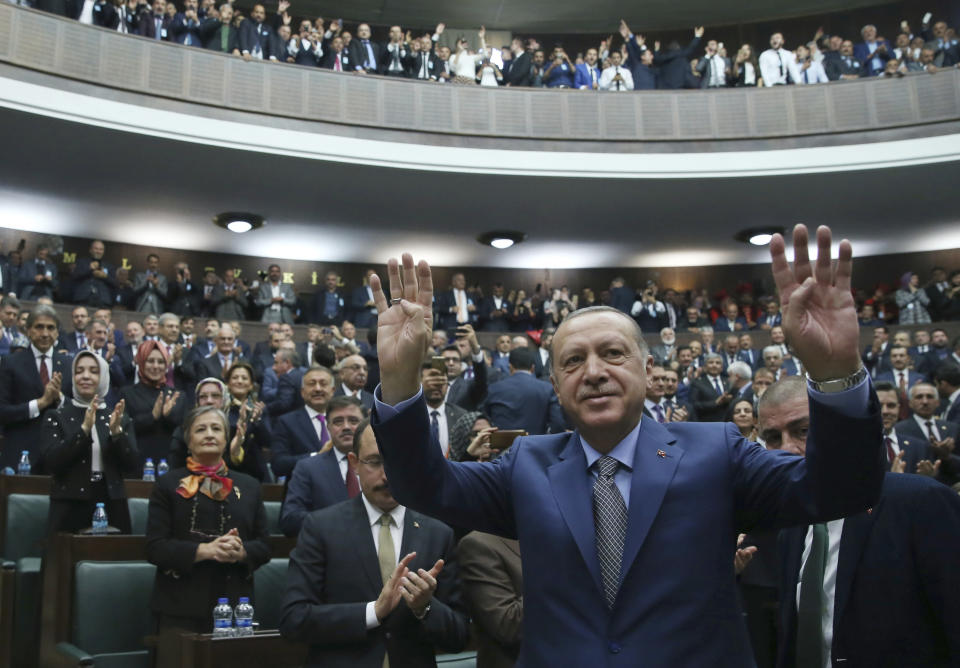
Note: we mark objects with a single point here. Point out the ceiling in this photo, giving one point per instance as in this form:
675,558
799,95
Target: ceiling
569,16
70,178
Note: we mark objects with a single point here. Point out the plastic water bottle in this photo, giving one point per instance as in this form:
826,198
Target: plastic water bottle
23,468
223,619
149,473
99,519
243,614
163,467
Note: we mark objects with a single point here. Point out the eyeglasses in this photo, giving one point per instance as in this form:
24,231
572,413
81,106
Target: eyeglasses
374,464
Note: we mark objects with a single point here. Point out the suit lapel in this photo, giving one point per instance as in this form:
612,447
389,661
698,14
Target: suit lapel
652,473
856,530
571,485
412,540
307,427
331,473
366,550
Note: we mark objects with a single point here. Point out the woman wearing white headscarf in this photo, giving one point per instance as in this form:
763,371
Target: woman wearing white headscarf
88,448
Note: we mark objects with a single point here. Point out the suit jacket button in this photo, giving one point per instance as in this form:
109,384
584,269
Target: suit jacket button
615,648
387,635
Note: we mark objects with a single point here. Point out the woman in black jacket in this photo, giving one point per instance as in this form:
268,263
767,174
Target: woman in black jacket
87,449
155,408
206,533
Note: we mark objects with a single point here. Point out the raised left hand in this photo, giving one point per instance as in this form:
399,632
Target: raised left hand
819,315
116,419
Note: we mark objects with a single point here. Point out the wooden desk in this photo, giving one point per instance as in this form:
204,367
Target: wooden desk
264,648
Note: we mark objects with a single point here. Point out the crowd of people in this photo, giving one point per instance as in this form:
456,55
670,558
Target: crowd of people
633,63
88,404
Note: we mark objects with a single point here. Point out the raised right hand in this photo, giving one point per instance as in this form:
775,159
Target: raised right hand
90,415
390,595
51,392
403,329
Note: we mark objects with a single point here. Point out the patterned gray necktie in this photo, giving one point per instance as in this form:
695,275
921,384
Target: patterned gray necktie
610,522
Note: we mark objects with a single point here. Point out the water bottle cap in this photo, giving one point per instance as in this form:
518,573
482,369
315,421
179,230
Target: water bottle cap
99,504
221,601
163,461
149,461
244,599
25,452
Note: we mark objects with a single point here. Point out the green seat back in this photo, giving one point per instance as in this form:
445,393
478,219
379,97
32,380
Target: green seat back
273,517
269,585
138,515
26,525
111,607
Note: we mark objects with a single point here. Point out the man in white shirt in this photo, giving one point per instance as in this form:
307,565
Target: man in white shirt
777,65
616,77
355,596
441,414
810,70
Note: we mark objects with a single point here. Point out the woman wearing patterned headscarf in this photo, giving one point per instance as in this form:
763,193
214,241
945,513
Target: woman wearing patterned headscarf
88,448
912,300
470,438
155,408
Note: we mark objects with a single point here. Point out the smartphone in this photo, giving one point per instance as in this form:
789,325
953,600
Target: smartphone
504,438
439,362
461,332
327,330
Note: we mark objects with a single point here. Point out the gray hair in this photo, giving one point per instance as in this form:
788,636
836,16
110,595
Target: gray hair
712,356
42,311
933,387
194,413
637,332
741,369
772,349
167,317
786,389
288,355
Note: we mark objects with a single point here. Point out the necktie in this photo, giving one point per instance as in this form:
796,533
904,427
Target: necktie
324,435
353,485
386,555
659,411
931,433
224,38
81,341
158,29
618,81
610,522
435,426
337,67
810,607
44,373
891,455
716,385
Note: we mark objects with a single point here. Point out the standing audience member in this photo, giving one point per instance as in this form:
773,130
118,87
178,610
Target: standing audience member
522,401
93,278
276,298
302,432
150,287
155,408
912,301
778,67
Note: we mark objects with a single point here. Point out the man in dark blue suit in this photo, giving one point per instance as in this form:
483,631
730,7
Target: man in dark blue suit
899,373
948,385
494,311
301,432
329,307
94,279
77,339
748,353
522,401
596,510
324,479
873,53
31,381
361,302
875,588
286,366
185,26
38,277
932,453
621,297
876,357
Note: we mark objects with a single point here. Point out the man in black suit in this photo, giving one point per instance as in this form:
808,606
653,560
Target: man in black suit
871,589
947,378
519,73
289,372
708,393
494,311
299,433
256,38
329,307
674,62
371,581
335,56
424,62
218,32
155,24
38,277
877,356
675,404
467,383
455,306
365,54
397,55
324,479
522,401
126,352
933,439
361,303
221,359
77,339
353,378
93,278
31,381
441,413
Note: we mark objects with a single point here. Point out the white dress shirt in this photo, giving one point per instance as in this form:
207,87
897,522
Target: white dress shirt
315,422
835,532
894,441
778,66
442,423
813,74
607,82
396,533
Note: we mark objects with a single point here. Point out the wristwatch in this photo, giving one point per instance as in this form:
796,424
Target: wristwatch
423,614
838,384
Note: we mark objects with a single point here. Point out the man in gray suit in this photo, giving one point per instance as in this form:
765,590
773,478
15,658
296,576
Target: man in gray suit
276,298
150,287
230,297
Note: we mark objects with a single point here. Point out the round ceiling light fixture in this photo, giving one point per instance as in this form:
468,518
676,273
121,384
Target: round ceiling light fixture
758,236
501,239
238,221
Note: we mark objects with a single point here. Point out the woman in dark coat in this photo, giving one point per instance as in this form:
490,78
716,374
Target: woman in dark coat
206,533
87,449
156,410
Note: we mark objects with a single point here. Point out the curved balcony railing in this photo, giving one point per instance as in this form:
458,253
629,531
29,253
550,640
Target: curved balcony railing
63,47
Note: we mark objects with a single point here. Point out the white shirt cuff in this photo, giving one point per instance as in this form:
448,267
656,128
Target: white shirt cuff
479,357
386,411
372,621
851,403
34,408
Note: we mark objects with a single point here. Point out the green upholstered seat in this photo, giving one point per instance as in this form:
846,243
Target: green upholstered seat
273,517
269,584
26,525
460,660
138,515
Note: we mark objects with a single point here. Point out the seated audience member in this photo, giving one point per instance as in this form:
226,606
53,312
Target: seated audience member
522,401
692,321
218,32
903,620
301,432
492,580
305,348
31,382
408,614
500,357
730,353
150,287
87,449
206,533
898,445
745,418
288,375
224,356
616,77
38,277
123,359
934,439
353,378
325,479
470,438
155,408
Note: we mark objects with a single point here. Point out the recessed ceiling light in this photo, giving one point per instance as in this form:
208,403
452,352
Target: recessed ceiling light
758,236
238,221
501,239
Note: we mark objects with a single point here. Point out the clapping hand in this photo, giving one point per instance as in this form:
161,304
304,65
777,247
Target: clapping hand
169,403
116,418
819,315
743,555
390,595
90,415
417,588
51,392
